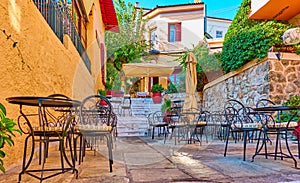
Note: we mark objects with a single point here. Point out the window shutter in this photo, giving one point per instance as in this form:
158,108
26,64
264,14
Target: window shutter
168,32
178,31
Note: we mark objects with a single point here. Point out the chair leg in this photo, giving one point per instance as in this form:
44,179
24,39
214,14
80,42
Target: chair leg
153,132
226,141
245,144
109,148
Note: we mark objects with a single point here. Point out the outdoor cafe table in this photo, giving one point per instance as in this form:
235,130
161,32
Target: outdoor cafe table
43,133
277,131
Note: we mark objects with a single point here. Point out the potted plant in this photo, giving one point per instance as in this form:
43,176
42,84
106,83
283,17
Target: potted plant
7,129
108,87
156,93
102,93
166,109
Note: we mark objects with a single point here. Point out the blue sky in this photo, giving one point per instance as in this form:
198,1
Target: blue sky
219,9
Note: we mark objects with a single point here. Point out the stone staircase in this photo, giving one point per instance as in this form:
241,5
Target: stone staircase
137,124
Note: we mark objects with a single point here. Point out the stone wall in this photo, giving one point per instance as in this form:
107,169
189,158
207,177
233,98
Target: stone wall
269,78
284,79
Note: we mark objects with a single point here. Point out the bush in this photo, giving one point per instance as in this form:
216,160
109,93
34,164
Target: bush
166,106
171,89
157,88
247,39
6,133
294,100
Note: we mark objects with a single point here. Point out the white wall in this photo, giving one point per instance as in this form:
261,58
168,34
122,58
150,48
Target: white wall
214,25
192,30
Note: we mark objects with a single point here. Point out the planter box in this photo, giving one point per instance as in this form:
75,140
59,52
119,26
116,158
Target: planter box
114,93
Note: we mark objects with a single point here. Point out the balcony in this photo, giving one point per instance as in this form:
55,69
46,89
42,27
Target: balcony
57,15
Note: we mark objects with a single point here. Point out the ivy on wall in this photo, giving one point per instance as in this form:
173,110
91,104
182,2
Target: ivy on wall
247,39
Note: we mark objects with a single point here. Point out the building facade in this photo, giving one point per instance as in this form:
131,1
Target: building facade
43,52
175,29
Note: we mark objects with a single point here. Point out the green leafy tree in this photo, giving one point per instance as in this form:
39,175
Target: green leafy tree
247,39
206,63
129,43
6,132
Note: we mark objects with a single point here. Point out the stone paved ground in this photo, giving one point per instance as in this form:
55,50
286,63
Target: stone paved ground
141,159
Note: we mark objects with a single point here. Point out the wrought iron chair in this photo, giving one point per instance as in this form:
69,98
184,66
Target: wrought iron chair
157,121
198,126
179,126
277,128
97,122
126,105
239,119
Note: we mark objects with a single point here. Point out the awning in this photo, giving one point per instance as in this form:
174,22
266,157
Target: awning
109,16
147,70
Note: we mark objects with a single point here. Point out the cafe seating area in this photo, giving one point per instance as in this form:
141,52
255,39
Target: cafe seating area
83,129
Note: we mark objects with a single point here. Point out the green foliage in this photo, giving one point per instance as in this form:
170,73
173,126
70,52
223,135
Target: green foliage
157,88
205,63
7,130
166,106
129,43
171,89
109,85
294,100
102,92
113,80
247,39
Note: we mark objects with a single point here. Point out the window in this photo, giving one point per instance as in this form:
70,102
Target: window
219,34
174,33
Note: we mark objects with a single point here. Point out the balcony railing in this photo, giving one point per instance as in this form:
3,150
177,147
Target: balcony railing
59,19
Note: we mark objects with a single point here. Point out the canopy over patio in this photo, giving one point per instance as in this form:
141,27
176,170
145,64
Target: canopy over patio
162,66
147,70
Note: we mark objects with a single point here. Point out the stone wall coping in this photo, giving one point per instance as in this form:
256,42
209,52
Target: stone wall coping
271,56
284,56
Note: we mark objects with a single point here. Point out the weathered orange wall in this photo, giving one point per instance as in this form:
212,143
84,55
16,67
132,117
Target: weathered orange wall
42,67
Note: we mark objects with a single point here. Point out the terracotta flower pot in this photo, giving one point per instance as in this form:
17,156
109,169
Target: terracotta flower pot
156,97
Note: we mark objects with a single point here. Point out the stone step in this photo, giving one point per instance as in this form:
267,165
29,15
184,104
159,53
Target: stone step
137,124
132,125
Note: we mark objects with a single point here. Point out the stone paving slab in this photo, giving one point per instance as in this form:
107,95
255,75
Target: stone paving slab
141,159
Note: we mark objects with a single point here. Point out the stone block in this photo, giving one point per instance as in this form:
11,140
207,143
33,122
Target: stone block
291,77
290,88
285,63
289,70
277,66
276,76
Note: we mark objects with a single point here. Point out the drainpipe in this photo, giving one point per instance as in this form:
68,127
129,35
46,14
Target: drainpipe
205,18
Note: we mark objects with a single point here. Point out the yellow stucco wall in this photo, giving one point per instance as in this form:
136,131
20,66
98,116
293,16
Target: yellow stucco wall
95,30
40,64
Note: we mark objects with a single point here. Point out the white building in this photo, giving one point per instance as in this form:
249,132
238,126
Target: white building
175,29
